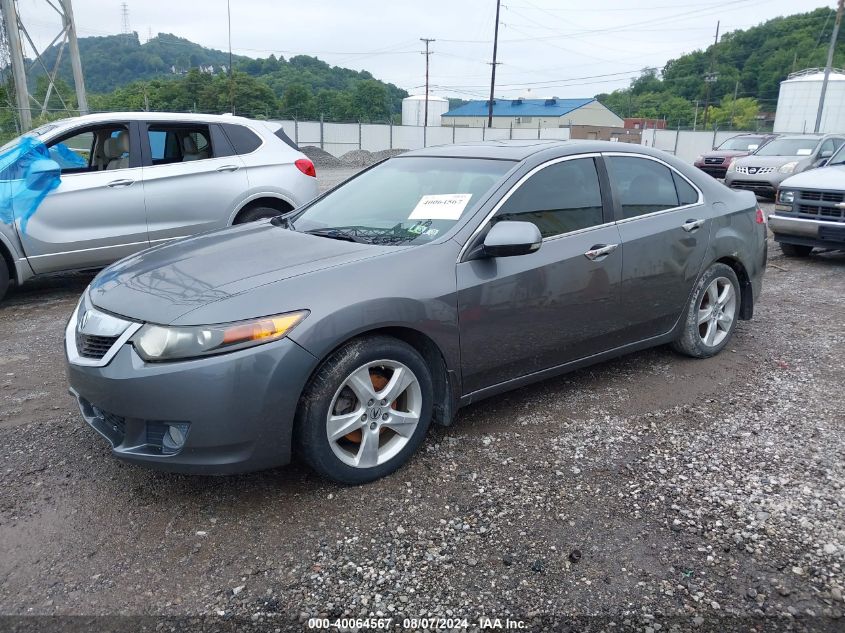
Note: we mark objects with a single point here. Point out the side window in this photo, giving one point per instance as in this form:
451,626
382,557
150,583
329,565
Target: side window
243,139
92,149
826,150
179,144
560,198
686,193
644,186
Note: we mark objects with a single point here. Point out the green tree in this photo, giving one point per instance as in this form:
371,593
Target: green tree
371,101
298,102
740,114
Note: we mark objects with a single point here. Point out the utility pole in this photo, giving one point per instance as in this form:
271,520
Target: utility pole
231,78
427,54
827,66
710,77
695,120
493,72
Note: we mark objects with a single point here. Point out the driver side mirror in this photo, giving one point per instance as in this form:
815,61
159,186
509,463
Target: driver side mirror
509,238
827,153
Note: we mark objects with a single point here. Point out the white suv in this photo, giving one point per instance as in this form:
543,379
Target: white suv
131,180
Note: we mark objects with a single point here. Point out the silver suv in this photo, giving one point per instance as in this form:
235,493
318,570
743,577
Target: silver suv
810,209
130,180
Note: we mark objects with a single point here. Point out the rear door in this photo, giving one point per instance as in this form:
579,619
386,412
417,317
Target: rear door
519,315
665,229
96,215
192,180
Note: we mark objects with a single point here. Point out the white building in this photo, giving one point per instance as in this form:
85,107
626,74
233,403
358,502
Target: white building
413,110
798,102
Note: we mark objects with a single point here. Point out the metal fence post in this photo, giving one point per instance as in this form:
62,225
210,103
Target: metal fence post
715,127
677,136
296,131
359,134
539,123
510,134
483,132
453,133
321,131
391,133
425,136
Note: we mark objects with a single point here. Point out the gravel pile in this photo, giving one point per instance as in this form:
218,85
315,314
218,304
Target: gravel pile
322,158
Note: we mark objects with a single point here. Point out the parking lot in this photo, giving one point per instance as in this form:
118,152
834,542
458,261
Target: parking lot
653,488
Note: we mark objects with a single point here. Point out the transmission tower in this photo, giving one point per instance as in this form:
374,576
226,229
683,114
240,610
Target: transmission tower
15,33
124,17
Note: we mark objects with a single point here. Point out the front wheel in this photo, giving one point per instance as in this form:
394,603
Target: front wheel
257,213
712,313
366,411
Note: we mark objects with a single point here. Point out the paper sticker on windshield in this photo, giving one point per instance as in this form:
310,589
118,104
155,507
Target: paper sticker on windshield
441,207
804,152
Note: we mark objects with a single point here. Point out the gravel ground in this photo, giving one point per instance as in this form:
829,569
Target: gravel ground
650,493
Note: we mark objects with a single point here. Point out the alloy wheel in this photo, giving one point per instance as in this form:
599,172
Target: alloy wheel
716,311
374,413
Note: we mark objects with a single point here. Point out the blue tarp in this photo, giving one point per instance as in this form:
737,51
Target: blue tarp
27,175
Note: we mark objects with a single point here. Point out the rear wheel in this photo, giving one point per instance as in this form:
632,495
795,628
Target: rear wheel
258,213
712,313
366,411
4,277
795,250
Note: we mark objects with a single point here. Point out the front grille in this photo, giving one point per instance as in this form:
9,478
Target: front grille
752,185
759,171
824,213
92,346
822,196
714,161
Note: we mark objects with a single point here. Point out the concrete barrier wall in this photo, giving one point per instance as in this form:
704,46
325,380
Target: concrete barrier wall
339,138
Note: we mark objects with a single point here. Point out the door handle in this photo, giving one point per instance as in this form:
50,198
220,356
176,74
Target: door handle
228,168
600,251
123,182
691,225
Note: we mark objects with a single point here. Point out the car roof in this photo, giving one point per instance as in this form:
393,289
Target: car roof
156,116
520,150
801,136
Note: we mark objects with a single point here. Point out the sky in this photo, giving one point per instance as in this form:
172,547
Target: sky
562,48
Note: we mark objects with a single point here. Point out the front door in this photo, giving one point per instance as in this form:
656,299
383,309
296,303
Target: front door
665,227
96,215
192,180
519,315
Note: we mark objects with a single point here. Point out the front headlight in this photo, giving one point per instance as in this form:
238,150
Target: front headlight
157,342
699,159
786,197
732,166
788,168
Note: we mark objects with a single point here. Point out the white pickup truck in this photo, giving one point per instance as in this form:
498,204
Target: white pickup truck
810,209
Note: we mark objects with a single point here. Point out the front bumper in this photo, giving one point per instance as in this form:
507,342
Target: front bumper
807,231
238,408
717,171
764,185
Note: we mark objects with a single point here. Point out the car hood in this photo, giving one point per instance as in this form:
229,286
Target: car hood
828,178
768,161
163,283
724,153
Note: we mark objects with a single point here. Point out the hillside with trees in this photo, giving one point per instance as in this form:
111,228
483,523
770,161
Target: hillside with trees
172,73
751,62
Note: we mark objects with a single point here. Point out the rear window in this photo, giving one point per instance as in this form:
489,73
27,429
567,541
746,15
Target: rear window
280,133
243,139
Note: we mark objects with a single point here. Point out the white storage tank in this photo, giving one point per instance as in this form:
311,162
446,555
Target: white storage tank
413,110
798,102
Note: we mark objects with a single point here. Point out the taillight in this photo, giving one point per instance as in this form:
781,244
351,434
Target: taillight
761,218
306,167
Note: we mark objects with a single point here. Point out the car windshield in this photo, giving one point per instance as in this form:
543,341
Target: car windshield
742,143
405,200
36,133
789,147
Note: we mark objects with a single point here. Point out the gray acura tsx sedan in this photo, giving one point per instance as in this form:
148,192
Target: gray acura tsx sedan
339,332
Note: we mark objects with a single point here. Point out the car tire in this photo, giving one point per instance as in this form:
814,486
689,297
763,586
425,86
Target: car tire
795,250
711,316
4,277
382,437
258,213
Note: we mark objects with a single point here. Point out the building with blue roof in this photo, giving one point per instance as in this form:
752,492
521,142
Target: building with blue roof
533,113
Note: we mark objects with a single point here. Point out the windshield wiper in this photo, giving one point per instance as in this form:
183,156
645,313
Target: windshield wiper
336,234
